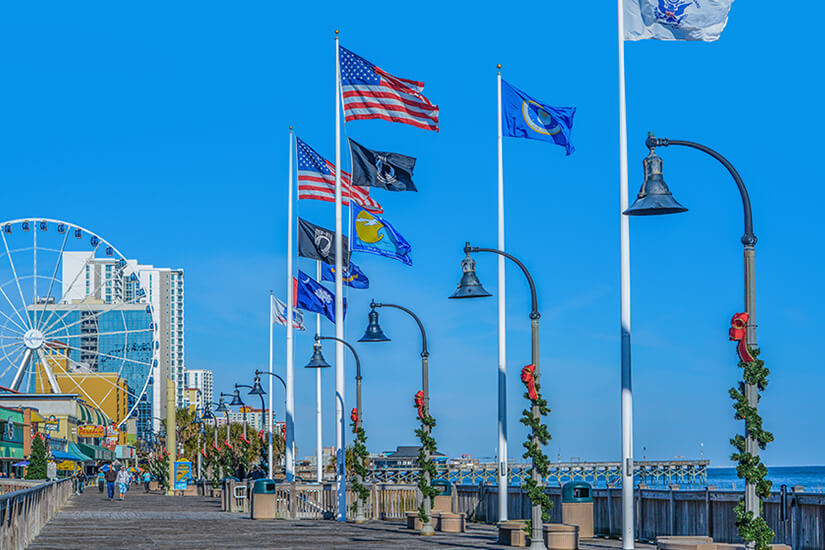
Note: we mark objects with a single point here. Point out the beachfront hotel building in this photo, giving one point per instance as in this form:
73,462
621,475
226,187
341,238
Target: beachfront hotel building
84,277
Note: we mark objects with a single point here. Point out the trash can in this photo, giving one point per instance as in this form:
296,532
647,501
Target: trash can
443,501
263,499
577,507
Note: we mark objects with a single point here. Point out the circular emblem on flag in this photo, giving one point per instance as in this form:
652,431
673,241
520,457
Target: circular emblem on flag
538,119
384,170
324,242
368,228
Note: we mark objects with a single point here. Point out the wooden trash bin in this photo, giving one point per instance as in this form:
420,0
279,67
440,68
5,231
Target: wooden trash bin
559,536
512,533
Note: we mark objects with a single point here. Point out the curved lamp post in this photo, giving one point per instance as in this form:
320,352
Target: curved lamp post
317,361
375,334
258,388
654,198
470,287
238,402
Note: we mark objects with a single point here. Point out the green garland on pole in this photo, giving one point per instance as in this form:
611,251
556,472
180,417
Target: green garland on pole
359,462
753,529
425,461
535,453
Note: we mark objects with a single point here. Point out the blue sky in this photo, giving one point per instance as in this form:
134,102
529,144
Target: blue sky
164,128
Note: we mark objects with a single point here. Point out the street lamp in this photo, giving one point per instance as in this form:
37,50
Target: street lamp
257,387
238,402
654,198
374,333
317,361
470,287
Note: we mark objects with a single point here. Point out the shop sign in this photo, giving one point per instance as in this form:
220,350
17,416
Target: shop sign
183,473
51,424
91,430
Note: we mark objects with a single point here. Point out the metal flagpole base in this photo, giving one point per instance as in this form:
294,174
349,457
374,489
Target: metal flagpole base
537,545
427,530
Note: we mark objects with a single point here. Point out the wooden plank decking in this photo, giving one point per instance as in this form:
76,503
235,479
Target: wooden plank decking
142,521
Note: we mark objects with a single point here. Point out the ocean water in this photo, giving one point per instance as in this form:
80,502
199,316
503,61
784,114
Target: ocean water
812,478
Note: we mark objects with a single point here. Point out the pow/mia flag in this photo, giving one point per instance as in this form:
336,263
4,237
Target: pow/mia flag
317,243
390,171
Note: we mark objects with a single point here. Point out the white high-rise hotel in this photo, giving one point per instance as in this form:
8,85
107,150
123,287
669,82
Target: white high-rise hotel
84,277
201,379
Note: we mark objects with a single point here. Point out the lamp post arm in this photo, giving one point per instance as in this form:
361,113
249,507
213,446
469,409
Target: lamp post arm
259,372
424,352
534,313
352,349
748,239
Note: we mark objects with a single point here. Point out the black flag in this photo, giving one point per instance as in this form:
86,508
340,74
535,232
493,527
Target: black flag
317,243
390,171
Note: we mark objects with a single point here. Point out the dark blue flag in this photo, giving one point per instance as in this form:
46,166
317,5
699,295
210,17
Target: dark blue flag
373,234
352,276
310,295
522,116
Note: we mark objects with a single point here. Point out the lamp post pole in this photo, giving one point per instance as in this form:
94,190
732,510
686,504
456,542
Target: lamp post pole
271,419
749,243
243,405
359,505
537,535
427,527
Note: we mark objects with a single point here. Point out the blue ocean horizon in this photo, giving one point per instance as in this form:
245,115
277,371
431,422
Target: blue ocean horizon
812,478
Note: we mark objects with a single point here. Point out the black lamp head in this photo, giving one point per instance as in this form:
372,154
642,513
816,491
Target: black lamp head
373,332
317,360
469,286
207,413
221,408
257,389
654,197
236,399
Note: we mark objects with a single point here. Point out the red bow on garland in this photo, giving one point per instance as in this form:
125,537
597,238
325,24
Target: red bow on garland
215,446
261,435
529,380
283,431
228,444
354,415
245,440
203,452
738,333
419,402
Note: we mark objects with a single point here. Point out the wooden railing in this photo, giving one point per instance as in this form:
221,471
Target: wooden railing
25,511
661,512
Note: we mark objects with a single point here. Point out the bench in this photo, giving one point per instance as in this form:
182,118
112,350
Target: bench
512,533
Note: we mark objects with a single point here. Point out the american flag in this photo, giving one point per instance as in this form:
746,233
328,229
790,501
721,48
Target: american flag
316,180
371,93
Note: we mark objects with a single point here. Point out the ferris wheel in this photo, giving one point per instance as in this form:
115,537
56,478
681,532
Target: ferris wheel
76,317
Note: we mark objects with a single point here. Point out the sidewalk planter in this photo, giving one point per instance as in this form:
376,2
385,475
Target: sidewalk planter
512,533
702,543
413,522
559,536
451,523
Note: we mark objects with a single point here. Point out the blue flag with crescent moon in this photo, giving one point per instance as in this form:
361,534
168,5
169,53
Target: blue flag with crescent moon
524,117
373,234
352,277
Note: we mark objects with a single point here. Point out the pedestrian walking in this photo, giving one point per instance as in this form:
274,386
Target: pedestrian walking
147,478
111,478
122,483
101,481
81,481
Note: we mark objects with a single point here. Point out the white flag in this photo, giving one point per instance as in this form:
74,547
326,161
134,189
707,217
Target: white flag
675,19
279,315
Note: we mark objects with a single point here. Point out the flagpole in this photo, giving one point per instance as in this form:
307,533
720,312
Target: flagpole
271,418
627,392
290,375
340,476
502,352
319,468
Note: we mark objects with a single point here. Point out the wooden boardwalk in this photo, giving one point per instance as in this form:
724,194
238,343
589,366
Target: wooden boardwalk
91,522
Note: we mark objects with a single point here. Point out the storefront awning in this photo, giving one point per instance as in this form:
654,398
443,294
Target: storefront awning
91,415
77,451
97,452
37,418
62,455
